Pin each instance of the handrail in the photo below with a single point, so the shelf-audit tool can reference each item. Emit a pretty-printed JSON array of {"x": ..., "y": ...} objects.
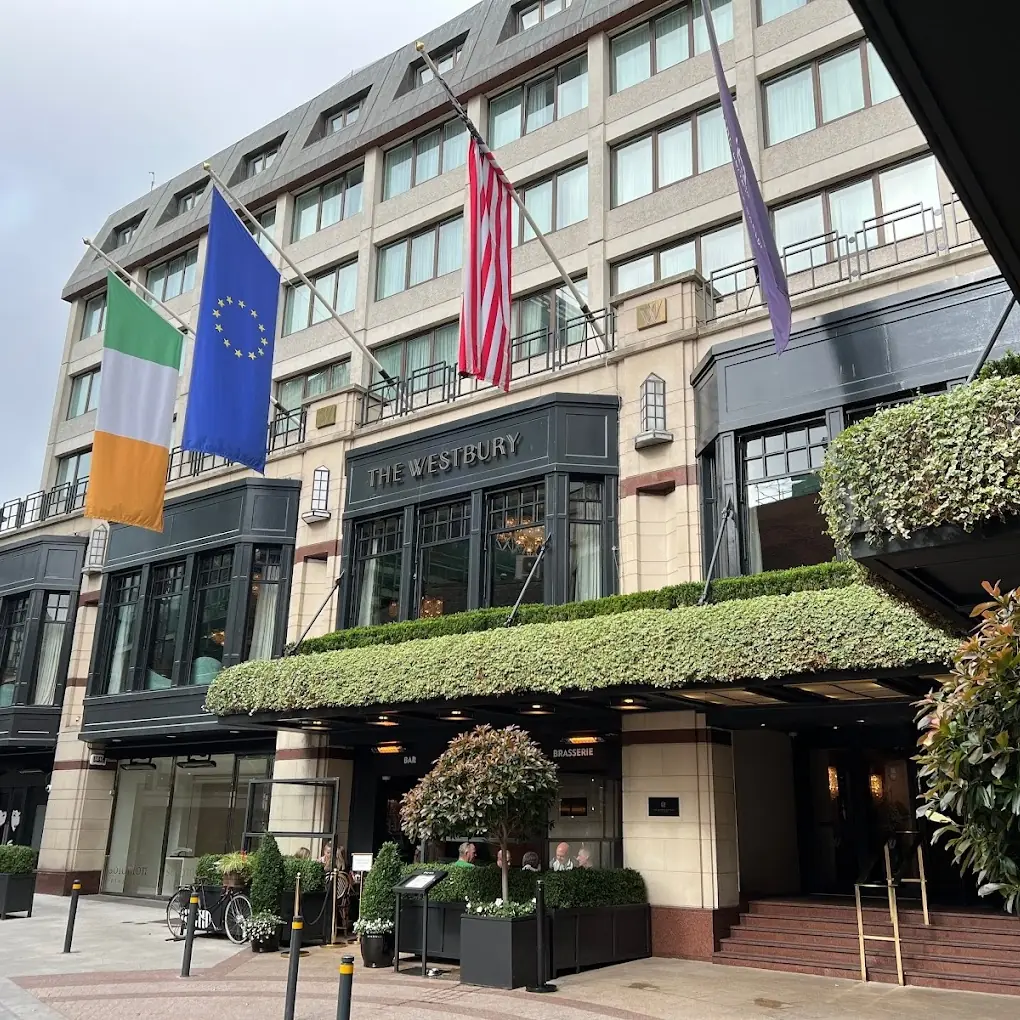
[{"x": 894, "y": 916}]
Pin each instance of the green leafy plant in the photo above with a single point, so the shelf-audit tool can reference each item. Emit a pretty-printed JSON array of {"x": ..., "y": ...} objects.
[
  {"x": 268, "y": 877},
  {"x": 1002, "y": 368},
  {"x": 207, "y": 870},
  {"x": 237, "y": 863},
  {"x": 853, "y": 628},
  {"x": 970, "y": 751},
  {"x": 263, "y": 926},
  {"x": 493, "y": 782},
  {"x": 17, "y": 860},
  {"x": 377, "y": 899},
  {"x": 501, "y": 908},
  {"x": 313, "y": 874}
]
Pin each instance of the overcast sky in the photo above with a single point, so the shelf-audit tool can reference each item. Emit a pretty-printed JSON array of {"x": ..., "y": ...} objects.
[{"x": 95, "y": 94}]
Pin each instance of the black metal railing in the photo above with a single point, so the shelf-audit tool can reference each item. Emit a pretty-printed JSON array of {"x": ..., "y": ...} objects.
[
  {"x": 41, "y": 506},
  {"x": 543, "y": 350}
]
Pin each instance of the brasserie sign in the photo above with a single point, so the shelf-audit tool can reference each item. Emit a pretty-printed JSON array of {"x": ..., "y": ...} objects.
[{"x": 442, "y": 462}]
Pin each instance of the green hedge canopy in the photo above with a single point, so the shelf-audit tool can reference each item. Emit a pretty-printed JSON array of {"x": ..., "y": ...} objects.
[{"x": 771, "y": 636}]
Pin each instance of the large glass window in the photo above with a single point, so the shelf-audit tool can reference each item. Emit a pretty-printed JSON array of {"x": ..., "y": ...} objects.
[
  {"x": 293, "y": 392},
  {"x": 74, "y": 467},
  {"x": 212, "y": 576},
  {"x": 338, "y": 285},
  {"x": 530, "y": 107},
  {"x": 84, "y": 394},
  {"x": 425, "y": 157},
  {"x": 424, "y": 361},
  {"x": 408, "y": 262},
  {"x": 543, "y": 319},
  {"x": 444, "y": 534},
  {"x": 94, "y": 319},
  {"x": 166, "y": 597},
  {"x": 585, "y": 540},
  {"x": 378, "y": 547},
  {"x": 267, "y": 220},
  {"x": 554, "y": 203},
  {"x": 328, "y": 204},
  {"x": 54, "y": 627},
  {"x": 515, "y": 533},
  {"x": 772, "y": 9},
  {"x": 123, "y": 607},
  {"x": 263, "y": 600},
  {"x": 170, "y": 279},
  {"x": 13, "y": 621},
  {"x": 783, "y": 526}
]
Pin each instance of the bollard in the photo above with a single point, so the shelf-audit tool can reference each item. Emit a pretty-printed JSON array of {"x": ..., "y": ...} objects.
[
  {"x": 541, "y": 985},
  {"x": 292, "y": 971},
  {"x": 189, "y": 935},
  {"x": 72, "y": 912},
  {"x": 343, "y": 1002}
]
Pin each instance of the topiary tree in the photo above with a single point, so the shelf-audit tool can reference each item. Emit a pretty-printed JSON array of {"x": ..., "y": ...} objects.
[
  {"x": 970, "y": 757},
  {"x": 496, "y": 783},
  {"x": 377, "y": 899},
  {"x": 268, "y": 877}
]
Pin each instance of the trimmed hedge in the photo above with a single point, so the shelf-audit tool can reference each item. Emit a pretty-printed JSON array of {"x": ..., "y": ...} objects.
[
  {"x": 313, "y": 874},
  {"x": 947, "y": 459},
  {"x": 772, "y": 636},
  {"x": 773, "y": 582},
  {"x": 17, "y": 860},
  {"x": 581, "y": 887}
]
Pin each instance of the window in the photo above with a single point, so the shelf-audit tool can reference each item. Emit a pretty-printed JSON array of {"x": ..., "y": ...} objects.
[
  {"x": 267, "y": 220},
  {"x": 425, "y": 157},
  {"x": 54, "y": 626},
  {"x": 187, "y": 200},
  {"x": 340, "y": 119},
  {"x": 320, "y": 490},
  {"x": 433, "y": 252},
  {"x": 120, "y": 636},
  {"x": 338, "y": 285},
  {"x": 444, "y": 538},
  {"x": 554, "y": 203},
  {"x": 328, "y": 204},
  {"x": 667, "y": 40},
  {"x": 175, "y": 277},
  {"x": 378, "y": 546},
  {"x": 445, "y": 62},
  {"x": 669, "y": 154},
  {"x": 783, "y": 526},
  {"x": 13, "y": 622},
  {"x": 213, "y": 586},
  {"x": 550, "y": 315},
  {"x": 718, "y": 249},
  {"x": 263, "y": 599},
  {"x": 260, "y": 161},
  {"x": 94, "y": 319},
  {"x": 825, "y": 90},
  {"x": 533, "y": 13},
  {"x": 124, "y": 234},
  {"x": 293, "y": 392},
  {"x": 166, "y": 595},
  {"x": 74, "y": 467},
  {"x": 772, "y": 9},
  {"x": 585, "y": 503},
  {"x": 84, "y": 393},
  {"x": 530, "y": 107},
  {"x": 515, "y": 533},
  {"x": 424, "y": 361},
  {"x": 653, "y": 404}
]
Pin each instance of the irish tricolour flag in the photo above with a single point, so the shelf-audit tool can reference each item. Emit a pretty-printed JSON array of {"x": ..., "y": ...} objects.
[{"x": 131, "y": 447}]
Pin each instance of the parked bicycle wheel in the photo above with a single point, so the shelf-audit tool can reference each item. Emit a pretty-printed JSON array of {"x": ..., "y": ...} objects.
[
  {"x": 236, "y": 918},
  {"x": 177, "y": 913}
]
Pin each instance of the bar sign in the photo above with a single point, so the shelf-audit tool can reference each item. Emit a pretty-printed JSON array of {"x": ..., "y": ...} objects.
[{"x": 663, "y": 807}]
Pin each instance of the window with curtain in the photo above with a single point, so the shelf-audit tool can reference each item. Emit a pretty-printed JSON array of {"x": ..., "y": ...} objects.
[
  {"x": 771, "y": 9},
  {"x": 790, "y": 106},
  {"x": 13, "y": 622},
  {"x": 263, "y": 601},
  {"x": 538, "y": 103},
  {"x": 801, "y": 226},
  {"x": 585, "y": 503},
  {"x": 212, "y": 600},
  {"x": 293, "y": 392},
  {"x": 444, "y": 534},
  {"x": 327, "y": 204},
  {"x": 722, "y": 19},
  {"x": 905, "y": 188},
  {"x": 338, "y": 285},
  {"x": 122, "y": 608},
  {"x": 424, "y": 256},
  {"x": 173, "y": 278},
  {"x": 420, "y": 159},
  {"x": 94, "y": 318},
  {"x": 539, "y": 320},
  {"x": 267, "y": 220},
  {"x": 554, "y": 203},
  {"x": 378, "y": 548},
  {"x": 260, "y": 161},
  {"x": 164, "y": 606},
  {"x": 56, "y": 613},
  {"x": 406, "y": 359},
  {"x": 515, "y": 531},
  {"x": 882, "y": 85}
]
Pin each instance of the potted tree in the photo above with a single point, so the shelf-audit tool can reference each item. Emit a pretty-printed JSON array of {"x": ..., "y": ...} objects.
[
  {"x": 499, "y": 784},
  {"x": 17, "y": 880},
  {"x": 235, "y": 869},
  {"x": 374, "y": 926},
  {"x": 268, "y": 877}
]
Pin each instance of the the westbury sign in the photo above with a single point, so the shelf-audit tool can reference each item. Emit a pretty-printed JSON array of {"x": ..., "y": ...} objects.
[{"x": 443, "y": 461}]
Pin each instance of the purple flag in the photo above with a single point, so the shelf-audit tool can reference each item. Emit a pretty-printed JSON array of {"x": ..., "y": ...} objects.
[{"x": 756, "y": 216}]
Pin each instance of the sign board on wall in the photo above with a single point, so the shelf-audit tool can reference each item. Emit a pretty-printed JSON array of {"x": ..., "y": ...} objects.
[{"x": 663, "y": 807}]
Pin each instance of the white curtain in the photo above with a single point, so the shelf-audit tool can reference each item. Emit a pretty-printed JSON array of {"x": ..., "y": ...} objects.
[
  {"x": 454, "y": 145},
  {"x": 539, "y": 108},
  {"x": 680, "y": 258},
  {"x": 842, "y": 85},
  {"x": 264, "y": 625},
  {"x": 671, "y": 39},
  {"x": 586, "y": 561},
  {"x": 398, "y": 170},
  {"x": 912, "y": 185},
  {"x": 367, "y": 597},
  {"x": 572, "y": 87},
  {"x": 720, "y": 250},
  {"x": 119, "y": 657},
  {"x": 722, "y": 19},
  {"x": 451, "y": 246},
  {"x": 790, "y": 105},
  {"x": 848, "y": 210},
  {"x": 533, "y": 328},
  {"x": 427, "y": 160},
  {"x": 632, "y": 175},
  {"x": 882, "y": 85},
  {"x": 49, "y": 660},
  {"x": 423, "y": 258},
  {"x": 801, "y": 221},
  {"x": 572, "y": 196},
  {"x": 713, "y": 147},
  {"x": 392, "y": 266},
  {"x": 675, "y": 154},
  {"x": 539, "y": 201},
  {"x": 505, "y": 118}
]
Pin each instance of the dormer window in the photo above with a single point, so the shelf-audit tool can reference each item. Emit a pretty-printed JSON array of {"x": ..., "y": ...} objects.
[
  {"x": 260, "y": 161},
  {"x": 342, "y": 118},
  {"x": 124, "y": 234},
  {"x": 445, "y": 60},
  {"x": 531, "y": 14},
  {"x": 187, "y": 200}
]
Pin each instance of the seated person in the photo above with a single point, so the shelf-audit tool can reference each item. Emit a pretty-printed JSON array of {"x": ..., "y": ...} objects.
[
  {"x": 530, "y": 862},
  {"x": 562, "y": 861},
  {"x": 466, "y": 854}
]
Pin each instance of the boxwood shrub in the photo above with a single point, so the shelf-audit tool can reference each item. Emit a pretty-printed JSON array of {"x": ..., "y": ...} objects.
[
  {"x": 17, "y": 860},
  {"x": 313, "y": 874}
]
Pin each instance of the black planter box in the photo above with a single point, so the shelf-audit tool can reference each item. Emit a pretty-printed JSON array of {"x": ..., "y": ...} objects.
[
  {"x": 377, "y": 950},
  {"x": 444, "y": 929},
  {"x": 17, "y": 893},
  {"x": 316, "y": 912},
  {"x": 599, "y": 936},
  {"x": 498, "y": 952}
]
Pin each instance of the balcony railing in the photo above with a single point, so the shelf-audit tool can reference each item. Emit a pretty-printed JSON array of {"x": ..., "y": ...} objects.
[
  {"x": 287, "y": 429},
  {"x": 543, "y": 350}
]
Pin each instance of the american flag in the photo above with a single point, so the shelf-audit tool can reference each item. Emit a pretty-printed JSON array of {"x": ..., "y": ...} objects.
[{"x": 485, "y": 314}]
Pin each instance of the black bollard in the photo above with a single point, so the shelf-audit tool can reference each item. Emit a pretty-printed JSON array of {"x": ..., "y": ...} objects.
[
  {"x": 541, "y": 985},
  {"x": 343, "y": 1002},
  {"x": 189, "y": 935},
  {"x": 292, "y": 971},
  {"x": 72, "y": 912}
]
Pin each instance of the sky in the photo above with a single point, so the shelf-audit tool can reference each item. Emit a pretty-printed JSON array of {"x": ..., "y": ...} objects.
[{"x": 95, "y": 94}]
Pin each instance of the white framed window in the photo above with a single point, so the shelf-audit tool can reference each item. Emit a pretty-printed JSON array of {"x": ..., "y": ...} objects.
[
  {"x": 420, "y": 159},
  {"x": 423, "y": 256},
  {"x": 337, "y": 200},
  {"x": 338, "y": 285},
  {"x": 320, "y": 490}
]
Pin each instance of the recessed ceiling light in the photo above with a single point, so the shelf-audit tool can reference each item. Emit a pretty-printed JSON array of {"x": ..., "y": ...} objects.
[
  {"x": 454, "y": 715},
  {"x": 383, "y": 720},
  {"x": 630, "y": 704},
  {"x": 583, "y": 739},
  {"x": 537, "y": 709}
]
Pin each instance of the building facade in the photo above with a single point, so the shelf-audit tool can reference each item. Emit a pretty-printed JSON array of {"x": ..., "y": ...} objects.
[{"x": 605, "y": 470}]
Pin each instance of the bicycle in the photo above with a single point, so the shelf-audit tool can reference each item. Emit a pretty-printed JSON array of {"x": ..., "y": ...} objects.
[{"x": 229, "y": 914}]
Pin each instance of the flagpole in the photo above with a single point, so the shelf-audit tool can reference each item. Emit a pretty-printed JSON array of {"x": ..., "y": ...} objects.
[
  {"x": 117, "y": 267},
  {"x": 518, "y": 201},
  {"x": 328, "y": 305}
]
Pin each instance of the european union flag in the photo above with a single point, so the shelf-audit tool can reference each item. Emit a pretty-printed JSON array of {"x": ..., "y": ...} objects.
[{"x": 231, "y": 376}]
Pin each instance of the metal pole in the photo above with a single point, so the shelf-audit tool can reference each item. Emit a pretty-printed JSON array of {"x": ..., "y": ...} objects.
[
  {"x": 531, "y": 574},
  {"x": 328, "y": 305},
  {"x": 116, "y": 266},
  {"x": 424, "y": 934},
  {"x": 726, "y": 515},
  {"x": 189, "y": 935},
  {"x": 292, "y": 971},
  {"x": 396, "y": 931},
  {"x": 992, "y": 339},
  {"x": 297, "y": 644},
  {"x": 487, "y": 152},
  {"x": 541, "y": 985},
  {"x": 72, "y": 913},
  {"x": 343, "y": 1002}
]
